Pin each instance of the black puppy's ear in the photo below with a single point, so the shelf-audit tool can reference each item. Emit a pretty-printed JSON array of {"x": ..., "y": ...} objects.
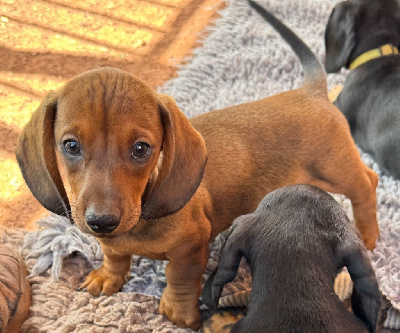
[
  {"x": 366, "y": 299},
  {"x": 226, "y": 271},
  {"x": 340, "y": 36}
]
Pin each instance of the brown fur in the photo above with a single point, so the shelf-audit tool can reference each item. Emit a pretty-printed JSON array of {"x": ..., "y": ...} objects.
[
  {"x": 23, "y": 309},
  {"x": 169, "y": 209},
  {"x": 15, "y": 291},
  {"x": 221, "y": 322}
]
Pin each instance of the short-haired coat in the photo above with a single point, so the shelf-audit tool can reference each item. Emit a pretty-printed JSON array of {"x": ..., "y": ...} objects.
[
  {"x": 129, "y": 168},
  {"x": 370, "y": 95},
  {"x": 296, "y": 242}
]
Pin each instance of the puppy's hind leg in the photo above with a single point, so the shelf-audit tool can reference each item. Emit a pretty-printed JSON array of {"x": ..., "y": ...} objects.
[
  {"x": 341, "y": 170},
  {"x": 364, "y": 208}
]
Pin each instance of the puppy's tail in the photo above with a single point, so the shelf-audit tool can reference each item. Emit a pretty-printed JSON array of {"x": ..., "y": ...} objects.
[{"x": 313, "y": 70}]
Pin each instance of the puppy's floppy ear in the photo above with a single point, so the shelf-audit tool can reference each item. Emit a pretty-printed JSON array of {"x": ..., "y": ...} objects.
[
  {"x": 37, "y": 160},
  {"x": 226, "y": 271},
  {"x": 340, "y": 36},
  {"x": 183, "y": 162},
  {"x": 366, "y": 298}
]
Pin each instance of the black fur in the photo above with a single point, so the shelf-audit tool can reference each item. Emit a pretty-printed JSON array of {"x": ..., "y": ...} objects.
[
  {"x": 370, "y": 96},
  {"x": 313, "y": 70},
  {"x": 296, "y": 242}
]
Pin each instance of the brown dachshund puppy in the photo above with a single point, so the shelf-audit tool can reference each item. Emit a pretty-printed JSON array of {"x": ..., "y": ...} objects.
[{"x": 129, "y": 168}]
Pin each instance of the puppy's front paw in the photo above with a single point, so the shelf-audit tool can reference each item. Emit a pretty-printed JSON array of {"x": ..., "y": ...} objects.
[
  {"x": 102, "y": 281},
  {"x": 182, "y": 312}
]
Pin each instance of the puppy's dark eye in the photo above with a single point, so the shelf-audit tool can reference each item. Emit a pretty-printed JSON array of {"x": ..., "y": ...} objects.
[
  {"x": 72, "y": 147},
  {"x": 140, "y": 150}
]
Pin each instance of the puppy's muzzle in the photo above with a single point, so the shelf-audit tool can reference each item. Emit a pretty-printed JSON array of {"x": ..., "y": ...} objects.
[{"x": 102, "y": 224}]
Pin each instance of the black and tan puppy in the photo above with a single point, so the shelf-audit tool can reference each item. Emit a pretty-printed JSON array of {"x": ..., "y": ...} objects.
[
  {"x": 364, "y": 36},
  {"x": 295, "y": 243}
]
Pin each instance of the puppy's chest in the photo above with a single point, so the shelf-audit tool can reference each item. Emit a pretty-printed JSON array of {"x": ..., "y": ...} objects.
[{"x": 154, "y": 249}]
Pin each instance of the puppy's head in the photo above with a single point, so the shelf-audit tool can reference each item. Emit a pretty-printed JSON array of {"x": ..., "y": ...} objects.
[
  {"x": 110, "y": 150},
  {"x": 300, "y": 229},
  {"x": 340, "y": 36},
  {"x": 357, "y": 26}
]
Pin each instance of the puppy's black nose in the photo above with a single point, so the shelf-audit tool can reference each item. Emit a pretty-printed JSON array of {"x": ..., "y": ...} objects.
[{"x": 102, "y": 224}]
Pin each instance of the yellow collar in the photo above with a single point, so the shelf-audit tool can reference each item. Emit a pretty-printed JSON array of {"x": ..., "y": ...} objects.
[{"x": 374, "y": 53}]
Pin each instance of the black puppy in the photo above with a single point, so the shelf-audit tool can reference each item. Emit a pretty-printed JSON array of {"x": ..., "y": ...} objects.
[
  {"x": 364, "y": 36},
  {"x": 295, "y": 243}
]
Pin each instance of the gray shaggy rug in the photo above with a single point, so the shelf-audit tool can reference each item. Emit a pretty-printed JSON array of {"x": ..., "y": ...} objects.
[{"x": 242, "y": 59}]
